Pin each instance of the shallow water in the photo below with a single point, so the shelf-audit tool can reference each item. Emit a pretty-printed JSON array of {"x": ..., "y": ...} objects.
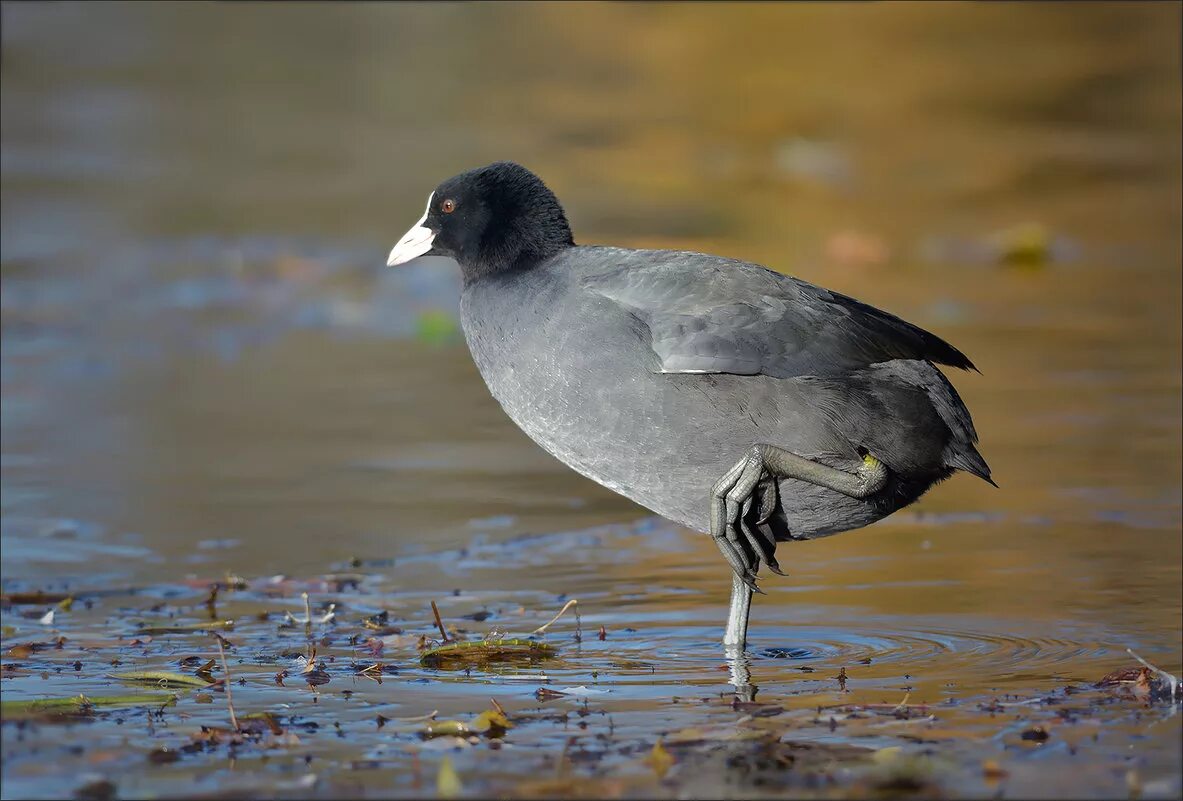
[{"x": 207, "y": 371}]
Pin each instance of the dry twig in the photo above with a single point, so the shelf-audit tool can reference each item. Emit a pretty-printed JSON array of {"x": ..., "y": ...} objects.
[
  {"x": 562, "y": 611},
  {"x": 226, "y": 670},
  {"x": 443, "y": 632}
]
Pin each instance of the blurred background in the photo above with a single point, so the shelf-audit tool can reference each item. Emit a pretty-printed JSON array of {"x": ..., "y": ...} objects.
[
  {"x": 209, "y": 373},
  {"x": 206, "y": 366}
]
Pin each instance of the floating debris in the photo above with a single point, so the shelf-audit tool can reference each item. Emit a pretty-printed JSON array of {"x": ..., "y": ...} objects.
[
  {"x": 481, "y": 653},
  {"x": 1148, "y": 681},
  {"x": 38, "y": 598},
  {"x": 491, "y": 723}
]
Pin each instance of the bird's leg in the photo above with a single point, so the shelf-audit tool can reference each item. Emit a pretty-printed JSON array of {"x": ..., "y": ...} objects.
[
  {"x": 737, "y": 615},
  {"x": 869, "y": 478},
  {"x": 735, "y": 639},
  {"x": 745, "y": 544}
]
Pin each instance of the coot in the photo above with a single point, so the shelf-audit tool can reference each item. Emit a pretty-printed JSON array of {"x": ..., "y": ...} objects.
[{"x": 722, "y": 395}]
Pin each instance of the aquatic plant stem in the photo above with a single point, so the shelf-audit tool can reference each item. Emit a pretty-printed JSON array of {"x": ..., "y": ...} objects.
[
  {"x": 229, "y": 696},
  {"x": 443, "y": 632},
  {"x": 541, "y": 629}
]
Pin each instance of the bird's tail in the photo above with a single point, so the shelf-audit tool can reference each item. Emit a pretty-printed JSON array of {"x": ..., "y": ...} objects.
[{"x": 964, "y": 456}]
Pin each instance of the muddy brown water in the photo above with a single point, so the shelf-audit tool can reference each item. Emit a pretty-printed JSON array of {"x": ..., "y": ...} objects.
[{"x": 207, "y": 373}]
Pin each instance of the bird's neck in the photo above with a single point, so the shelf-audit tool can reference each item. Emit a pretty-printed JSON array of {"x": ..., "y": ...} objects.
[{"x": 516, "y": 255}]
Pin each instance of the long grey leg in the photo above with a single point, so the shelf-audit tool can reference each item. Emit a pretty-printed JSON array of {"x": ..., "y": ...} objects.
[
  {"x": 737, "y": 615},
  {"x": 733, "y": 640},
  {"x": 731, "y": 500}
]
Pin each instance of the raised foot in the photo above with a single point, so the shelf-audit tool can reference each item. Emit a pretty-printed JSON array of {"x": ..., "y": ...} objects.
[
  {"x": 745, "y": 543},
  {"x": 746, "y": 540}
]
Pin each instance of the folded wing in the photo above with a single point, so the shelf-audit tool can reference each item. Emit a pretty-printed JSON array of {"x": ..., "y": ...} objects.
[{"x": 707, "y": 314}]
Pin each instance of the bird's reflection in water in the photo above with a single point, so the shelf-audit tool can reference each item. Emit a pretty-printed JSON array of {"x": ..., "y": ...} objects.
[{"x": 741, "y": 673}]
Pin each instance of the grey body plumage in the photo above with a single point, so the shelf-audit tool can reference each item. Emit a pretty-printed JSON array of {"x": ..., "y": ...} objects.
[
  {"x": 719, "y": 394},
  {"x": 637, "y": 370}
]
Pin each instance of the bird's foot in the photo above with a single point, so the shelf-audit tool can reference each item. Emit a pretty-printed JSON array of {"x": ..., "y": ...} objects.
[{"x": 743, "y": 536}]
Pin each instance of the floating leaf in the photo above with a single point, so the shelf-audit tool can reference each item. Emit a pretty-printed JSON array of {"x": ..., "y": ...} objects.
[
  {"x": 480, "y": 653},
  {"x": 259, "y": 722},
  {"x": 161, "y": 678},
  {"x": 24, "y": 649},
  {"x": 715, "y": 734},
  {"x": 78, "y": 705},
  {"x": 447, "y": 728},
  {"x": 38, "y": 598},
  {"x": 187, "y": 628},
  {"x": 491, "y": 722}
]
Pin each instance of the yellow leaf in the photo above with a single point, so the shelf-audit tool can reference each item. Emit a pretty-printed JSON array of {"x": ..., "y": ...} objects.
[
  {"x": 447, "y": 783},
  {"x": 488, "y": 720},
  {"x": 660, "y": 759}
]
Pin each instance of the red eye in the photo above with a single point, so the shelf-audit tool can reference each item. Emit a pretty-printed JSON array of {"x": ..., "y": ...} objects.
[{"x": 448, "y": 206}]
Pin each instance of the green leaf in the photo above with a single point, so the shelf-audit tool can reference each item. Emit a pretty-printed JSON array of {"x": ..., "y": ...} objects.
[
  {"x": 187, "y": 628},
  {"x": 78, "y": 704},
  {"x": 161, "y": 678}
]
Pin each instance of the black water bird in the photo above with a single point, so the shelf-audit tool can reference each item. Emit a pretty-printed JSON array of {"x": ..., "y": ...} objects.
[{"x": 722, "y": 395}]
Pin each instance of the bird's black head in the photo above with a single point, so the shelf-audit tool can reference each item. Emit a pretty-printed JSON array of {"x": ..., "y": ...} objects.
[{"x": 490, "y": 220}]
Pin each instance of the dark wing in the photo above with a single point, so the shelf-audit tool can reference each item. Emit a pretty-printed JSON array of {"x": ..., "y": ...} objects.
[{"x": 707, "y": 314}]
